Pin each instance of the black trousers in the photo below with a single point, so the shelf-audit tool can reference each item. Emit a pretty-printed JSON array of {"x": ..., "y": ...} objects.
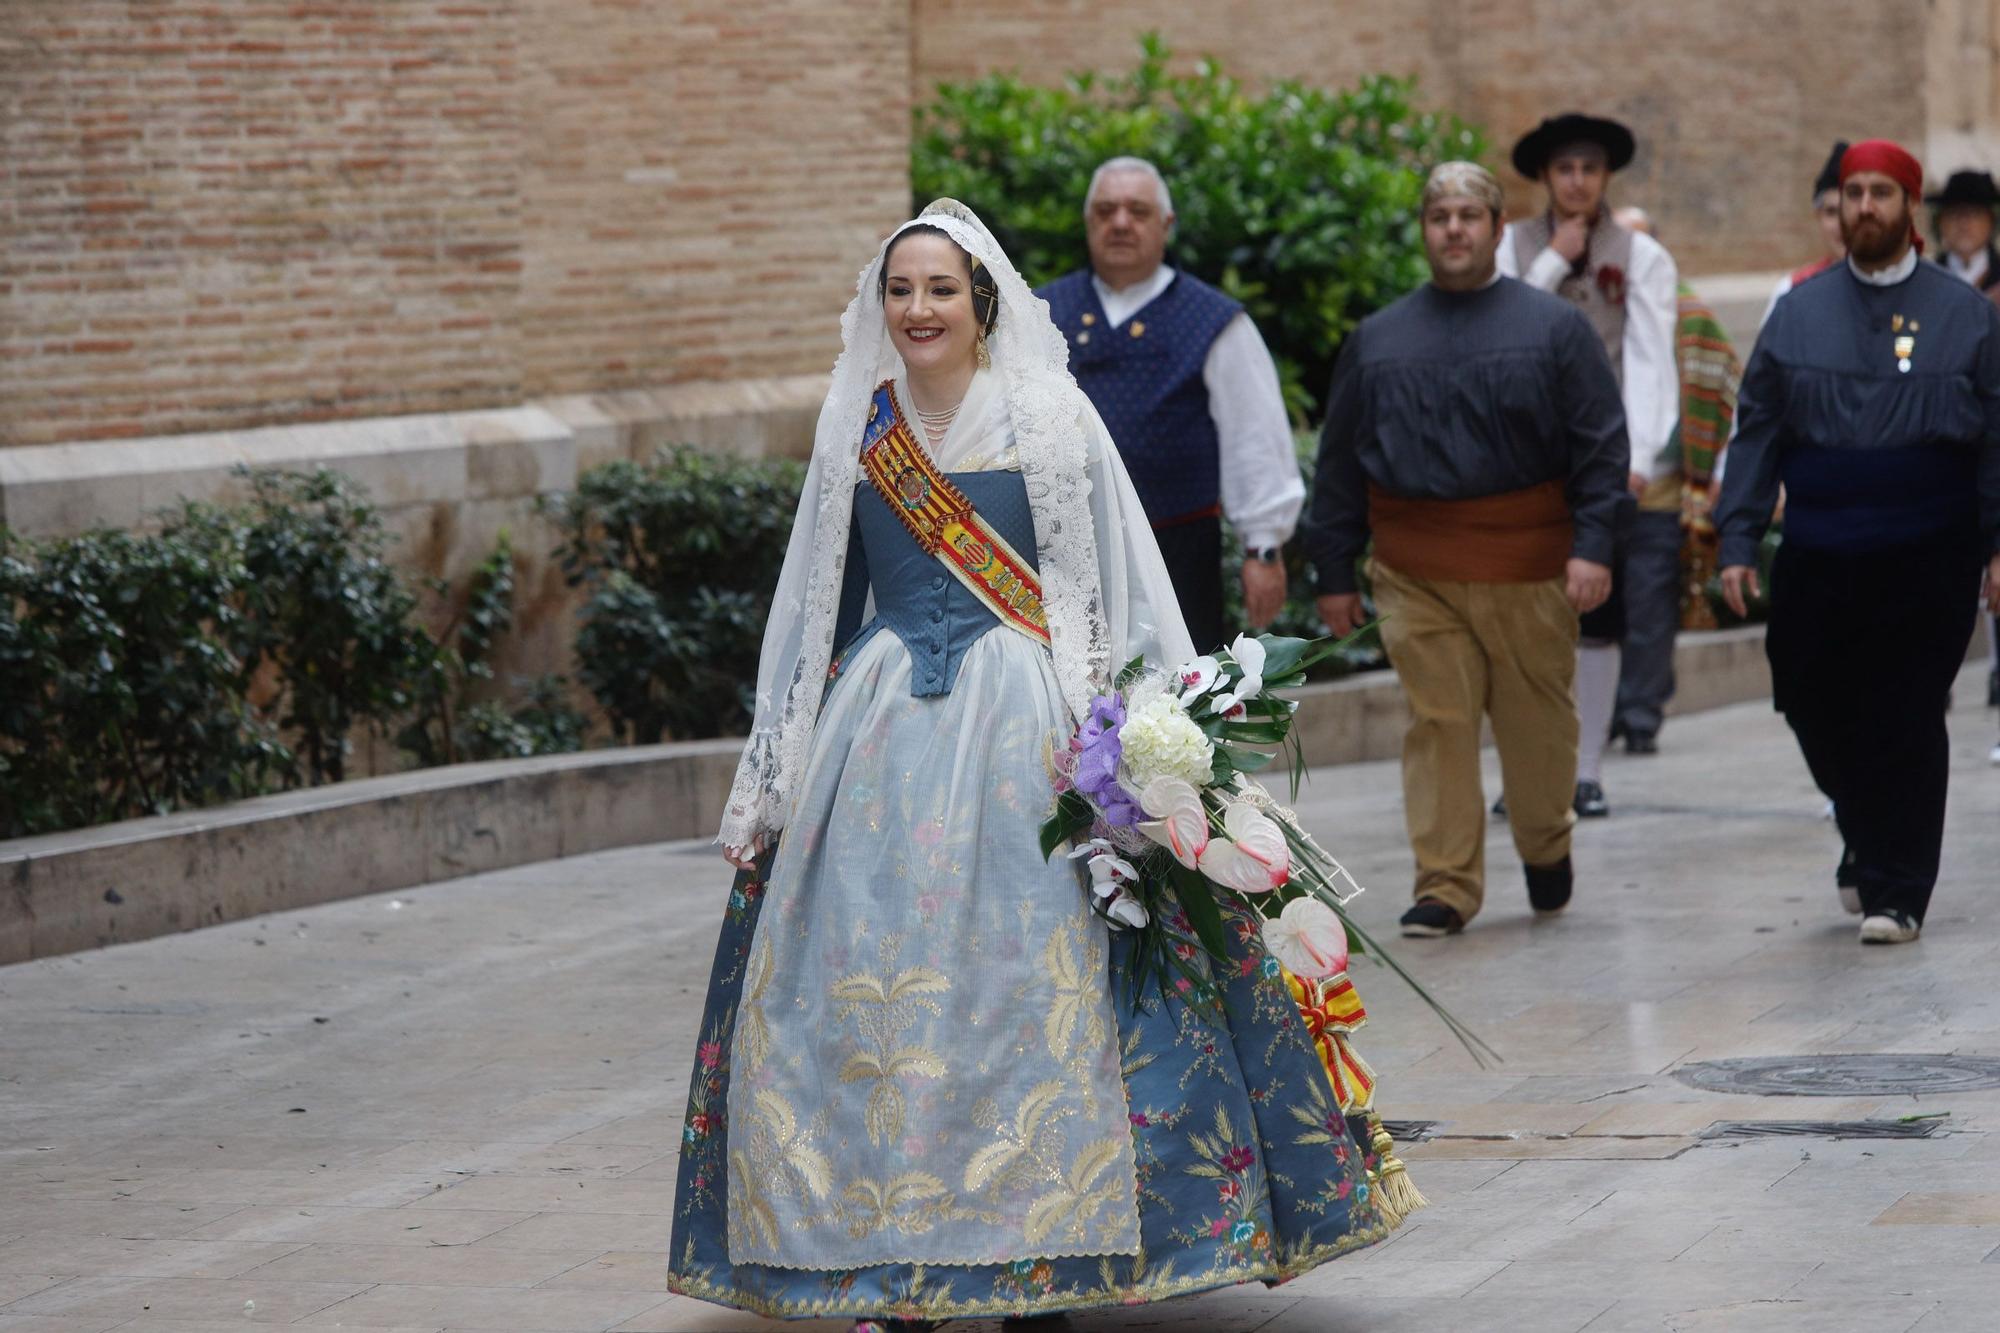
[
  {"x": 1193, "y": 552},
  {"x": 1864, "y": 649}
]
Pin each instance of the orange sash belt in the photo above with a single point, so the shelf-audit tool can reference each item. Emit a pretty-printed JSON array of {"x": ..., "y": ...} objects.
[{"x": 1515, "y": 537}]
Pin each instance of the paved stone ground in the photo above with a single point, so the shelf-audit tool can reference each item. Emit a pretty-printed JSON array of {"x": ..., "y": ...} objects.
[{"x": 457, "y": 1107}]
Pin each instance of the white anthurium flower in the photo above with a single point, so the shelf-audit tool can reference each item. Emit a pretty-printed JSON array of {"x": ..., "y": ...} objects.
[
  {"x": 1127, "y": 909},
  {"x": 1198, "y": 678},
  {"x": 1254, "y": 858},
  {"x": 1308, "y": 938},
  {"x": 1179, "y": 822},
  {"x": 1249, "y": 655}
]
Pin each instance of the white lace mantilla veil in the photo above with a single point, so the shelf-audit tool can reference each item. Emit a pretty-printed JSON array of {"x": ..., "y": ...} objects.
[{"x": 1104, "y": 587}]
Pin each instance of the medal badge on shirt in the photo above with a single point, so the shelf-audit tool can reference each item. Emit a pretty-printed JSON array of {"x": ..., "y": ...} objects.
[{"x": 1906, "y": 342}]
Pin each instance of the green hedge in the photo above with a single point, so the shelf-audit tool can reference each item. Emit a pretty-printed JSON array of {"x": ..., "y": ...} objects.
[
  {"x": 236, "y": 651},
  {"x": 679, "y": 558},
  {"x": 1299, "y": 201}
]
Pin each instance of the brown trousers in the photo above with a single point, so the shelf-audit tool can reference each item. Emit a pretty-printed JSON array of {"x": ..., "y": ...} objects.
[{"x": 1505, "y": 650}]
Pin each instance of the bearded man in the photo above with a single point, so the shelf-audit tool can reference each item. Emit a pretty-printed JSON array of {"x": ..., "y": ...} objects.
[
  {"x": 1474, "y": 430},
  {"x": 1873, "y": 397}
]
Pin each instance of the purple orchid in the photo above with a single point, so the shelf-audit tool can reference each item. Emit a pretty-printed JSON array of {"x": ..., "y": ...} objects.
[{"x": 1097, "y": 760}]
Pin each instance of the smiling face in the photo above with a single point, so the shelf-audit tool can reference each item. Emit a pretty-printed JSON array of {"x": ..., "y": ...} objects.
[
  {"x": 927, "y": 303},
  {"x": 1576, "y": 177},
  {"x": 1461, "y": 236},
  {"x": 1875, "y": 218}
]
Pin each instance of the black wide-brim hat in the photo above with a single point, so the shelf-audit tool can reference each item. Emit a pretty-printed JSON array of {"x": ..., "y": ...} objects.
[
  {"x": 1966, "y": 187},
  {"x": 1541, "y": 143}
]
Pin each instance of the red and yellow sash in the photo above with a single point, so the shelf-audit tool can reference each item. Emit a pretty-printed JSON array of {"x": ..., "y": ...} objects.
[{"x": 942, "y": 520}]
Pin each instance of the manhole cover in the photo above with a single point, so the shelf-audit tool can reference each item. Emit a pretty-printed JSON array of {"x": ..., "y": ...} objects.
[
  {"x": 1409, "y": 1131},
  {"x": 1822, "y": 1129},
  {"x": 1844, "y": 1075}
]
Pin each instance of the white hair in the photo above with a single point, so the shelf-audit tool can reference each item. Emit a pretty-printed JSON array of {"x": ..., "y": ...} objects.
[{"x": 1131, "y": 164}]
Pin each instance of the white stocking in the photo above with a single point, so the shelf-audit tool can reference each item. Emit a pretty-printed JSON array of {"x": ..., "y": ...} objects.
[{"x": 1596, "y": 696}]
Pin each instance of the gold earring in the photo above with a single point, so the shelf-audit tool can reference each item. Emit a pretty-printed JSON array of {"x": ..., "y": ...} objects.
[{"x": 980, "y": 353}]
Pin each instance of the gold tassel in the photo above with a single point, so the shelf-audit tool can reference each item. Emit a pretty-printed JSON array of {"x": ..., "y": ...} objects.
[{"x": 1395, "y": 1193}]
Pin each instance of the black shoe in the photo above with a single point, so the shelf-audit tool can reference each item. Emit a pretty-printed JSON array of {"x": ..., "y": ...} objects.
[
  {"x": 1642, "y": 742},
  {"x": 1430, "y": 919},
  {"x": 1549, "y": 886},
  {"x": 1847, "y": 879},
  {"x": 1993, "y": 689},
  {"x": 1589, "y": 801},
  {"x": 1500, "y": 806}
]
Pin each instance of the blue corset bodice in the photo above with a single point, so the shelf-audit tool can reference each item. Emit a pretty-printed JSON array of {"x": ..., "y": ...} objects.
[{"x": 917, "y": 599}]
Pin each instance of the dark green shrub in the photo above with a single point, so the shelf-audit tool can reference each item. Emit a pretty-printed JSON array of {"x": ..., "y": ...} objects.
[
  {"x": 147, "y": 673},
  {"x": 680, "y": 557},
  {"x": 325, "y": 616},
  {"x": 120, "y": 694},
  {"x": 1298, "y": 201},
  {"x": 448, "y": 727}
]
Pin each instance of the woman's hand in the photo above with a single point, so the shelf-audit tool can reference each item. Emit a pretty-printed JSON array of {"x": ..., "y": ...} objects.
[{"x": 745, "y": 858}]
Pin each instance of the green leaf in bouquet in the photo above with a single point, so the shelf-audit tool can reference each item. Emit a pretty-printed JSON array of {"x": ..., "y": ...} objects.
[
  {"x": 1197, "y": 899},
  {"x": 1243, "y": 761},
  {"x": 1223, "y": 766},
  {"x": 1257, "y": 733},
  {"x": 1073, "y": 815},
  {"x": 1131, "y": 671},
  {"x": 1282, "y": 655}
]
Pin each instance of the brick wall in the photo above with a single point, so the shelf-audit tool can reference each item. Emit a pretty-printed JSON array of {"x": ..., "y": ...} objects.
[
  {"x": 220, "y": 216},
  {"x": 216, "y": 216},
  {"x": 1735, "y": 104}
]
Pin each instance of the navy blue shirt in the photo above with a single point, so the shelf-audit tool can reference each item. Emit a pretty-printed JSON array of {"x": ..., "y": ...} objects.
[
  {"x": 1877, "y": 408},
  {"x": 1459, "y": 395}
]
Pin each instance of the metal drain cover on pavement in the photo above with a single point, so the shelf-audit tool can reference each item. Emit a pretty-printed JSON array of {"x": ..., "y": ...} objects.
[
  {"x": 1844, "y": 1075},
  {"x": 1409, "y": 1131},
  {"x": 1823, "y": 1129}
]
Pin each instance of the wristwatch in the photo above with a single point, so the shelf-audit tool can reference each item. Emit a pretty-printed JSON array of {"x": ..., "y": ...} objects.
[{"x": 1269, "y": 555}]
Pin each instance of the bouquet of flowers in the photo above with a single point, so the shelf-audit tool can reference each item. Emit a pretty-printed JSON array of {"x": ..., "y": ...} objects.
[{"x": 1154, "y": 793}]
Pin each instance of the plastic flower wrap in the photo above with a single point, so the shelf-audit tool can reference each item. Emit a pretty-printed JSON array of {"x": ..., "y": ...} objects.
[{"x": 1154, "y": 792}]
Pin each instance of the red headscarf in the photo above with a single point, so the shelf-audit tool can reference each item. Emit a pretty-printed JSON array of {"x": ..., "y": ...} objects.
[{"x": 1893, "y": 161}]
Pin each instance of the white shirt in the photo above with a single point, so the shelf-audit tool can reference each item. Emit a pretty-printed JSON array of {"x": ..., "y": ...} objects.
[
  {"x": 1652, "y": 378},
  {"x": 1262, "y": 491},
  {"x": 1890, "y": 276},
  {"x": 1973, "y": 270}
]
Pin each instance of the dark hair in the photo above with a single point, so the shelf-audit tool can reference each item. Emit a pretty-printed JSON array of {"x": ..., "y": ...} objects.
[{"x": 985, "y": 296}]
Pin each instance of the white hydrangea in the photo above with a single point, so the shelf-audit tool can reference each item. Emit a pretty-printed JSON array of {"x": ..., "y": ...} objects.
[{"x": 1160, "y": 740}]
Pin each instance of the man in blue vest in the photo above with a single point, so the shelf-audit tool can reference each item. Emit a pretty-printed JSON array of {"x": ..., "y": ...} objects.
[{"x": 1190, "y": 395}]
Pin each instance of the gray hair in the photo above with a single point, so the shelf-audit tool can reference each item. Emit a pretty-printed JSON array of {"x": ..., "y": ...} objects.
[
  {"x": 1634, "y": 218},
  {"x": 1131, "y": 164},
  {"x": 1462, "y": 180}
]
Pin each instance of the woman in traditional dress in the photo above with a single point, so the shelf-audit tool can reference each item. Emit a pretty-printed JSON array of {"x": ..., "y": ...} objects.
[{"x": 919, "y": 1091}]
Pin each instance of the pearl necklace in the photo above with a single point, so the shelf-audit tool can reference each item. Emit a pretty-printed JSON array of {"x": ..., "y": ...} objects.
[{"x": 936, "y": 424}]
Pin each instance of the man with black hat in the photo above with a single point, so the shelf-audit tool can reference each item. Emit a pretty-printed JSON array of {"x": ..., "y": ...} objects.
[
  {"x": 1626, "y": 285},
  {"x": 1965, "y": 228},
  {"x": 1826, "y": 212},
  {"x": 1873, "y": 396}
]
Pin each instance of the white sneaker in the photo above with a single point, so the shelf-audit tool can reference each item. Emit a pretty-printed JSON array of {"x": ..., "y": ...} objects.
[
  {"x": 1993, "y": 757},
  {"x": 1888, "y": 928}
]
